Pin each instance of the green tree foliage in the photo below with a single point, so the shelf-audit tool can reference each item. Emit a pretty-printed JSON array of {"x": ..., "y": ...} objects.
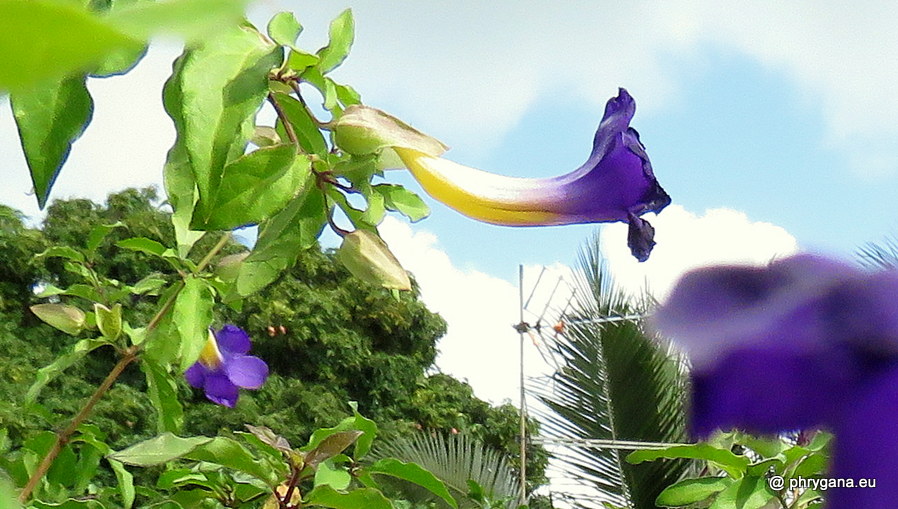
[{"x": 327, "y": 337}]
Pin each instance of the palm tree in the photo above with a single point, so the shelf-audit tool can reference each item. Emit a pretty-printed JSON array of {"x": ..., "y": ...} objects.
[
  {"x": 880, "y": 256},
  {"x": 457, "y": 460},
  {"x": 616, "y": 383}
]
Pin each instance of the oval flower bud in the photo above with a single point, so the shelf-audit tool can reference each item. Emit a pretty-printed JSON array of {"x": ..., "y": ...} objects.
[
  {"x": 368, "y": 258},
  {"x": 68, "y": 319}
]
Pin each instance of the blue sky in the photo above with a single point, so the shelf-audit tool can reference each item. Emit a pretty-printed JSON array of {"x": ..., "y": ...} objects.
[{"x": 771, "y": 124}]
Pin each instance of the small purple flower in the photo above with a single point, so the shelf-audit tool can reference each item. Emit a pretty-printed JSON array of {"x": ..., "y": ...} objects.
[
  {"x": 805, "y": 342},
  {"x": 223, "y": 366}
]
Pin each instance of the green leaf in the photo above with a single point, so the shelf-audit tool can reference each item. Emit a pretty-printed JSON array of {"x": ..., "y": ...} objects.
[
  {"x": 125, "y": 482},
  {"x": 403, "y": 201},
  {"x": 284, "y": 29},
  {"x": 62, "y": 252},
  {"x": 362, "y": 130},
  {"x": 192, "y": 316},
  {"x": 158, "y": 450},
  {"x": 342, "y": 33},
  {"x": 355, "y": 423},
  {"x": 299, "y": 61},
  {"x": 335, "y": 443},
  {"x": 374, "y": 214},
  {"x": 68, "y": 319},
  {"x": 98, "y": 233},
  {"x": 307, "y": 132},
  {"x": 733, "y": 464},
  {"x": 63, "y": 362},
  {"x": 180, "y": 185},
  {"x": 254, "y": 187},
  {"x": 282, "y": 238},
  {"x": 327, "y": 496},
  {"x": 413, "y": 473},
  {"x": 192, "y": 20},
  {"x": 333, "y": 475},
  {"x": 690, "y": 491},
  {"x": 148, "y": 284},
  {"x": 143, "y": 245},
  {"x": 46, "y": 40},
  {"x": 50, "y": 117},
  {"x": 109, "y": 321},
  {"x": 163, "y": 392},
  {"x": 222, "y": 84},
  {"x": 231, "y": 454},
  {"x": 745, "y": 493},
  {"x": 347, "y": 95}
]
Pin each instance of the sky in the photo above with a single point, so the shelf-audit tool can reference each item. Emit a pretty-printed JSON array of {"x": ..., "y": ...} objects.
[{"x": 771, "y": 124}]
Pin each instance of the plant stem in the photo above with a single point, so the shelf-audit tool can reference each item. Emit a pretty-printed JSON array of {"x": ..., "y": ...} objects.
[
  {"x": 294, "y": 479},
  {"x": 63, "y": 437},
  {"x": 130, "y": 355},
  {"x": 212, "y": 252},
  {"x": 283, "y": 116}
]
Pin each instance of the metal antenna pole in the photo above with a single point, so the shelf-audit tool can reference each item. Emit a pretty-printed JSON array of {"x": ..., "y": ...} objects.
[{"x": 523, "y": 401}]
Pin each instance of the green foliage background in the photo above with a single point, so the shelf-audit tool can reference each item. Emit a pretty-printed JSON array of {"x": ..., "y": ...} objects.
[{"x": 327, "y": 337}]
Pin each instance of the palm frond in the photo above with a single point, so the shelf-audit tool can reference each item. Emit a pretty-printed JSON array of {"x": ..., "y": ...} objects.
[
  {"x": 454, "y": 459},
  {"x": 883, "y": 255},
  {"x": 616, "y": 383}
]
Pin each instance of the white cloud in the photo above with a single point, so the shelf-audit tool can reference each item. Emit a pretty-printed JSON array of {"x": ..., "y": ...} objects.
[
  {"x": 471, "y": 69},
  {"x": 124, "y": 146},
  {"x": 481, "y": 345},
  {"x": 686, "y": 241}
]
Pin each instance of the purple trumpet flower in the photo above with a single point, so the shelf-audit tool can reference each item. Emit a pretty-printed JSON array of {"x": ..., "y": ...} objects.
[
  {"x": 223, "y": 366},
  {"x": 805, "y": 342}
]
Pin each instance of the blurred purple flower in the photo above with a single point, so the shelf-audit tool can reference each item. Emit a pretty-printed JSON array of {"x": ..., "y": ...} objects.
[
  {"x": 805, "y": 342},
  {"x": 223, "y": 366}
]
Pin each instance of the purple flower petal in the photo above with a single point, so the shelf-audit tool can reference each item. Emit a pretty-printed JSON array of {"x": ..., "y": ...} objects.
[
  {"x": 866, "y": 446},
  {"x": 196, "y": 375},
  {"x": 246, "y": 371},
  {"x": 221, "y": 390},
  {"x": 232, "y": 340},
  {"x": 771, "y": 388}
]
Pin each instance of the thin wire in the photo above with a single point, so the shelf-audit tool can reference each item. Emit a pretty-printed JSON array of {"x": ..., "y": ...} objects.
[{"x": 606, "y": 444}]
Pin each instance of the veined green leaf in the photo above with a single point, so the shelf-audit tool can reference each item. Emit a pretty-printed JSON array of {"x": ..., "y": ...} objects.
[
  {"x": 62, "y": 252},
  {"x": 333, "y": 475},
  {"x": 281, "y": 238},
  {"x": 690, "y": 491},
  {"x": 63, "y": 362},
  {"x": 284, "y": 29},
  {"x": 307, "y": 133},
  {"x": 403, "y": 201},
  {"x": 256, "y": 186},
  {"x": 158, "y": 450},
  {"x": 125, "y": 482},
  {"x": 733, "y": 464},
  {"x": 191, "y": 20},
  {"x": 745, "y": 493},
  {"x": 98, "y": 233},
  {"x": 326, "y": 496},
  {"x": 232, "y": 454},
  {"x": 180, "y": 185},
  {"x": 222, "y": 85},
  {"x": 192, "y": 316},
  {"x": 142, "y": 244},
  {"x": 50, "y": 117},
  {"x": 163, "y": 392},
  {"x": 342, "y": 33},
  {"x": 46, "y": 40},
  {"x": 109, "y": 321},
  {"x": 412, "y": 472}
]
